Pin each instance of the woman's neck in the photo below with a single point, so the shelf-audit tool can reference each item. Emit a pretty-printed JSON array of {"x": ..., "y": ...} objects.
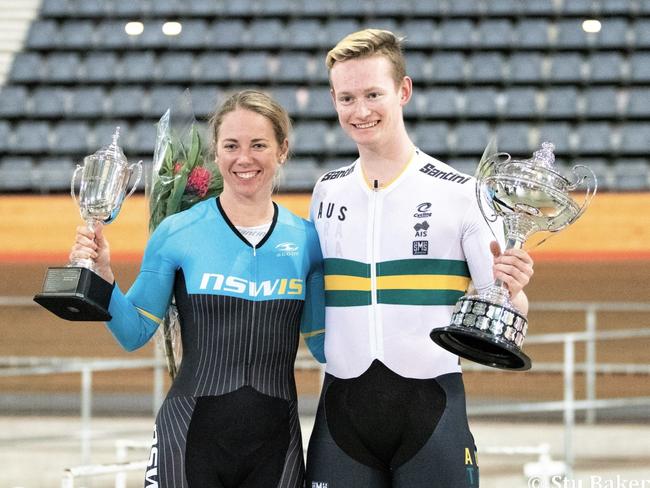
[{"x": 246, "y": 212}]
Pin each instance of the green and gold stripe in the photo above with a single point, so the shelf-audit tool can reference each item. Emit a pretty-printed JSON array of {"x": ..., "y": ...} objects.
[{"x": 400, "y": 282}]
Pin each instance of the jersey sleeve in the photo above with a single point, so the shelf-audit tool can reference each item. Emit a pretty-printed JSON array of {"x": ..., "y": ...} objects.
[
  {"x": 137, "y": 314},
  {"x": 477, "y": 234},
  {"x": 312, "y": 323}
]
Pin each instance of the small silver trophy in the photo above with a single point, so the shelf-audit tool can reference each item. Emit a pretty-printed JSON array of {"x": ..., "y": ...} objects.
[
  {"x": 76, "y": 292},
  {"x": 530, "y": 196}
]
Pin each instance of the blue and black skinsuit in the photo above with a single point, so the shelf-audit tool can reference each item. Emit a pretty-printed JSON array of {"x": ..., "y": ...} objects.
[{"x": 230, "y": 417}]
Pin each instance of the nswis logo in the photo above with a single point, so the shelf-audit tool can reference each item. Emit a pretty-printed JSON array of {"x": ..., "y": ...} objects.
[{"x": 240, "y": 286}]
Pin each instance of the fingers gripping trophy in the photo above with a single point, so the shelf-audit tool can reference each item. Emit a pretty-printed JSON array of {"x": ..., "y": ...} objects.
[
  {"x": 76, "y": 292},
  {"x": 530, "y": 196}
]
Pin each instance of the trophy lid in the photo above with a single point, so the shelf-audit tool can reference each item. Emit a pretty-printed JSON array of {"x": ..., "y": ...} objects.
[
  {"x": 113, "y": 150},
  {"x": 544, "y": 156}
]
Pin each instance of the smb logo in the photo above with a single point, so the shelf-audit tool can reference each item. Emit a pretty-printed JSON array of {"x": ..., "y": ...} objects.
[
  {"x": 286, "y": 249},
  {"x": 420, "y": 248},
  {"x": 319, "y": 484}
]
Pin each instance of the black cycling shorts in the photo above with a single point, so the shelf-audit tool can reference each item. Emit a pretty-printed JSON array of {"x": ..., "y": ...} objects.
[{"x": 383, "y": 430}]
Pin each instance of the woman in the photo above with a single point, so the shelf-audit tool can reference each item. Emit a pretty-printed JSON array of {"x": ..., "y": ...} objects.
[{"x": 247, "y": 278}]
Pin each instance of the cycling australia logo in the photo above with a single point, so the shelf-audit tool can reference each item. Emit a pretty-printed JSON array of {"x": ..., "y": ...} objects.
[
  {"x": 422, "y": 211},
  {"x": 286, "y": 249}
]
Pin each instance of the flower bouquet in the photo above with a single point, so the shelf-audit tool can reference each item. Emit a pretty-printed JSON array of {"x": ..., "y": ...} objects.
[{"x": 182, "y": 175}]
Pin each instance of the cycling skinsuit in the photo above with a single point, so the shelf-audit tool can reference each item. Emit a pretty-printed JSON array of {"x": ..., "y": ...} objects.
[
  {"x": 396, "y": 260},
  {"x": 230, "y": 417}
]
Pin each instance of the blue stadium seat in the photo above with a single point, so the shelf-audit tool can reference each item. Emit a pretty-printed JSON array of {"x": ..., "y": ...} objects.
[
  {"x": 562, "y": 102},
  {"x": 471, "y": 137},
  {"x": 242, "y": 7},
  {"x": 266, "y": 33},
  {"x": 341, "y": 143},
  {"x": 153, "y": 36},
  {"x": 126, "y": 101},
  {"x": 335, "y": 30},
  {"x": 448, "y": 67},
  {"x": 62, "y": 67},
  {"x": 212, "y": 66},
  {"x": 166, "y": 7},
  {"x": 514, "y": 138},
  {"x": 540, "y": 7},
  {"x": 304, "y": 34},
  {"x": 31, "y": 137},
  {"x": 420, "y": 33},
  {"x": 466, "y": 7},
  {"x": 496, "y": 33},
  {"x": 439, "y": 102},
  {"x": 132, "y": 8},
  {"x": 388, "y": 24},
  {"x": 594, "y": 138},
  {"x": 76, "y": 34},
  {"x": 16, "y": 173},
  {"x": 606, "y": 66},
  {"x": 635, "y": 138},
  {"x": 615, "y": 6},
  {"x": 432, "y": 137},
  {"x": 54, "y": 8},
  {"x": 418, "y": 66},
  {"x": 162, "y": 97},
  {"x": 253, "y": 67},
  {"x": 102, "y": 132},
  {"x": 295, "y": 67},
  {"x": 572, "y": 35},
  {"x": 458, "y": 33},
  {"x": 203, "y": 7},
  {"x": 226, "y": 34},
  {"x": 466, "y": 166},
  {"x": 300, "y": 175},
  {"x": 580, "y": 7},
  {"x": 521, "y": 102},
  {"x": 632, "y": 175},
  {"x": 315, "y": 7},
  {"x": 87, "y": 101},
  {"x": 49, "y": 102},
  {"x": 557, "y": 133},
  {"x": 640, "y": 66},
  {"x": 526, "y": 67},
  {"x": 480, "y": 102},
  {"x": 43, "y": 34},
  {"x": 391, "y": 9},
  {"x": 287, "y": 97},
  {"x": 614, "y": 34},
  {"x": 111, "y": 34},
  {"x": 319, "y": 103},
  {"x": 532, "y": 33},
  {"x": 193, "y": 35},
  {"x": 71, "y": 137},
  {"x": 27, "y": 67},
  {"x": 13, "y": 101},
  {"x": 99, "y": 67},
  {"x": 486, "y": 67},
  {"x": 504, "y": 7},
  {"x": 5, "y": 135},
  {"x": 639, "y": 101},
  {"x": 642, "y": 33},
  {"x": 602, "y": 102},
  {"x": 138, "y": 66},
  {"x": 566, "y": 67},
  {"x": 92, "y": 8},
  {"x": 52, "y": 174},
  {"x": 280, "y": 8},
  {"x": 175, "y": 66},
  {"x": 142, "y": 138},
  {"x": 311, "y": 137}
]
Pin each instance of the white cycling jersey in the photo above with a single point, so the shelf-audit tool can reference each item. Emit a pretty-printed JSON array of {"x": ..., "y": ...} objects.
[{"x": 397, "y": 259}]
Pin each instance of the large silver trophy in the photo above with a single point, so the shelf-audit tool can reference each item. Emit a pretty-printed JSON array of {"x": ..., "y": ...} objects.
[
  {"x": 76, "y": 292},
  {"x": 529, "y": 196}
]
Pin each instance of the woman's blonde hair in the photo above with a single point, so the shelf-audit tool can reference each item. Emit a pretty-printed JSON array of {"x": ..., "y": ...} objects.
[
  {"x": 255, "y": 101},
  {"x": 370, "y": 42}
]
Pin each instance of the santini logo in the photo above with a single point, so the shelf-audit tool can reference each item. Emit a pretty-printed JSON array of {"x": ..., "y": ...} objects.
[
  {"x": 286, "y": 249},
  {"x": 267, "y": 288}
]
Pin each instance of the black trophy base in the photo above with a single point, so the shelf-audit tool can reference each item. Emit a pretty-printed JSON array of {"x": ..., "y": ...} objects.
[
  {"x": 75, "y": 293},
  {"x": 486, "y": 333}
]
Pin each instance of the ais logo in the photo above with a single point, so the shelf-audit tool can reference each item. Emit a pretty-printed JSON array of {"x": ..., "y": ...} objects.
[{"x": 240, "y": 286}]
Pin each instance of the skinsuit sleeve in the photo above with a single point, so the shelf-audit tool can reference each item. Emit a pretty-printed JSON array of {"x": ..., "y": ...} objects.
[
  {"x": 137, "y": 314},
  {"x": 312, "y": 324}
]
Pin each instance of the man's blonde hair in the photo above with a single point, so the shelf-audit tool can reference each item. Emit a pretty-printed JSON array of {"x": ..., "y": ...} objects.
[{"x": 370, "y": 42}]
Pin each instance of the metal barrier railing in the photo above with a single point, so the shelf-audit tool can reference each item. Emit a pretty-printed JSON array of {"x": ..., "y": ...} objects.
[{"x": 21, "y": 366}]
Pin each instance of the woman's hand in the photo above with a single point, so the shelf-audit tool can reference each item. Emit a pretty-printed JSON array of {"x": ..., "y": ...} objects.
[{"x": 93, "y": 245}]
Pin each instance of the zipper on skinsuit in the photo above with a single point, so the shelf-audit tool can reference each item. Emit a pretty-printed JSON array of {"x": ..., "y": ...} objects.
[
  {"x": 247, "y": 375},
  {"x": 376, "y": 338}
]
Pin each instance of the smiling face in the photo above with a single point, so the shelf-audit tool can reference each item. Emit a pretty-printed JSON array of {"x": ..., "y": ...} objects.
[
  {"x": 368, "y": 100},
  {"x": 248, "y": 154}
]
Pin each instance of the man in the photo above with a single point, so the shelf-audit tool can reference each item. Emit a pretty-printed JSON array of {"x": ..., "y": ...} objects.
[{"x": 402, "y": 237}]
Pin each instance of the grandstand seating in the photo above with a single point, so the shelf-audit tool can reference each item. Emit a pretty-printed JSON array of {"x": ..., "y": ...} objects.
[{"x": 521, "y": 70}]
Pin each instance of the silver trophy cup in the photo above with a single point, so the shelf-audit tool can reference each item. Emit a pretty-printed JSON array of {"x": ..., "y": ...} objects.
[
  {"x": 529, "y": 196},
  {"x": 75, "y": 292}
]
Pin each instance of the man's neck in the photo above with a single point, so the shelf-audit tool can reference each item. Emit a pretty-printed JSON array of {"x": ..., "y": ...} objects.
[{"x": 383, "y": 165}]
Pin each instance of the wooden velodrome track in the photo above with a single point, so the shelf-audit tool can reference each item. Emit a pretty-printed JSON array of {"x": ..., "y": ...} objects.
[{"x": 604, "y": 257}]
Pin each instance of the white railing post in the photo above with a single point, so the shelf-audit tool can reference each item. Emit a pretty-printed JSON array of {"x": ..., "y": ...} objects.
[
  {"x": 590, "y": 360},
  {"x": 86, "y": 412},
  {"x": 569, "y": 401}
]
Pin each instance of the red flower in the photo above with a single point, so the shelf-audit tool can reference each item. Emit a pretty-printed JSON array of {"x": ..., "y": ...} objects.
[
  {"x": 177, "y": 167},
  {"x": 198, "y": 181}
]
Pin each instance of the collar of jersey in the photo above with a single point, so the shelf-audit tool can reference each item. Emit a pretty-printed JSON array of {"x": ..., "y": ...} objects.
[
  {"x": 392, "y": 183},
  {"x": 238, "y": 234}
]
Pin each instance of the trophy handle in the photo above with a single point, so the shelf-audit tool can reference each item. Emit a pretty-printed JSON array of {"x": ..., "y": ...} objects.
[
  {"x": 589, "y": 194},
  {"x": 73, "y": 194},
  {"x": 137, "y": 165},
  {"x": 481, "y": 170}
]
